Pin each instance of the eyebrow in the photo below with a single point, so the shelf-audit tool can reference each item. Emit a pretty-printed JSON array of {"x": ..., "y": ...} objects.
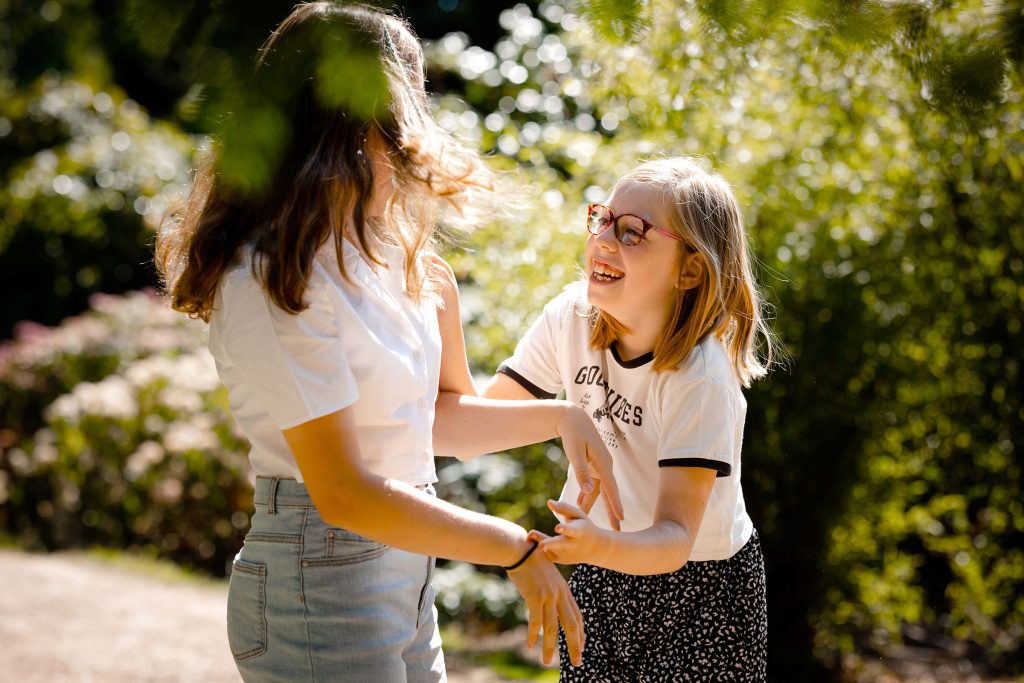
[{"x": 631, "y": 213}]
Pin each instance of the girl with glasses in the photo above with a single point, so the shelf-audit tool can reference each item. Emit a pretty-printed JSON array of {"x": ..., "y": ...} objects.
[
  {"x": 336, "y": 330},
  {"x": 656, "y": 345}
]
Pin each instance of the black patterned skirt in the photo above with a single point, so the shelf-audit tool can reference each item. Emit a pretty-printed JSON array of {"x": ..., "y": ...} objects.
[{"x": 706, "y": 622}]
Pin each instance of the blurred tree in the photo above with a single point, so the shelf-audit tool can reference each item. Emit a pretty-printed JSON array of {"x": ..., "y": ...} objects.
[
  {"x": 76, "y": 72},
  {"x": 163, "y": 55},
  {"x": 88, "y": 175},
  {"x": 876, "y": 146}
]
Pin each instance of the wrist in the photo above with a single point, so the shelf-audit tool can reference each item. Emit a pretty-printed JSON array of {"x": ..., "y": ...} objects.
[
  {"x": 522, "y": 560},
  {"x": 563, "y": 410},
  {"x": 604, "y": 547}
]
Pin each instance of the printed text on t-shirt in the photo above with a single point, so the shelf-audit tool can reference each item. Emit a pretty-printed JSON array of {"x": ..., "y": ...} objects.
[{"x": 615, "y": 404}]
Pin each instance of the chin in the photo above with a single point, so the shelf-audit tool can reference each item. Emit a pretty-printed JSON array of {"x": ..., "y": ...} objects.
[{"x": 597, "y": 298}]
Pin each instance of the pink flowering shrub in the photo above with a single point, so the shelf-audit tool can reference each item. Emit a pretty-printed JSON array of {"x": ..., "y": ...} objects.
[{"x": 116, "y": 432}]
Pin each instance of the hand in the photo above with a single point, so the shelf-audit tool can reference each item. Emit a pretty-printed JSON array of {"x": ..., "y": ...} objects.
[
  {"x": 579, "y": 539},
  {"x": 591, "y": 462},
  {"x": 549, "y": 602}
]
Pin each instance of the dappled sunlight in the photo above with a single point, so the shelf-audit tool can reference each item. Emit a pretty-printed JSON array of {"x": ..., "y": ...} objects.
[{"x": 877, "y": 155}]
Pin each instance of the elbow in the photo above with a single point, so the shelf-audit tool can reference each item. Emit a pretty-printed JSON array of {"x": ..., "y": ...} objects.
[
  {"x": 349, "y": 506},
  {"x": 679, "y": 548},
  {"x": 677, "y": 562}
]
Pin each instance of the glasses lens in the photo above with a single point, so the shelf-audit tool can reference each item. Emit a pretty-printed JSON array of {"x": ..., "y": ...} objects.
[
  {"x": 629, "y": 230},
  {"x": 598, "y": 219}
]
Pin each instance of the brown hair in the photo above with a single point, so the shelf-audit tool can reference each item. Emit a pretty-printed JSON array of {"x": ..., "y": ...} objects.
[
  {"x": 705, "y": 213},
  {"x": 316, "y": 74}
]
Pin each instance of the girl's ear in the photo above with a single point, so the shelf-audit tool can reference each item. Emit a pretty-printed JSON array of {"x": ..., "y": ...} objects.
[{"x": 691, "y": 275}]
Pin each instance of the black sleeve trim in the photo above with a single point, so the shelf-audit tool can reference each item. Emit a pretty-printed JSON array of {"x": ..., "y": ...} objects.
[
  {"x": 724, "y": 469},
  {"x": 525, "y": 383}
]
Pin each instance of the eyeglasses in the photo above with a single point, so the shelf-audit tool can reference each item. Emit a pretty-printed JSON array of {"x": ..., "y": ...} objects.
[{"x": 629, "y": 229}]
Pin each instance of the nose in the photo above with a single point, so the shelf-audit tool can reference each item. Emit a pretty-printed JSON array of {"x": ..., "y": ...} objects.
[{"x": 606, "y": 240}]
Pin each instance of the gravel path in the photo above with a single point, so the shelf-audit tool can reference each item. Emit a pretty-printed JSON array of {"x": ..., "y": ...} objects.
[
  {"x": 72, "y": 618},
  {"x": 76, "y": 618}
]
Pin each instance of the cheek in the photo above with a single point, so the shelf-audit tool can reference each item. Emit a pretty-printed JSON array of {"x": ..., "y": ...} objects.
[
  {"x": 660, "y": 274},
  {"x": 383, "y": 189}
]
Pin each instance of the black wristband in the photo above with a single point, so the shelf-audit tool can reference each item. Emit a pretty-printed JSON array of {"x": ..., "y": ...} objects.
[{"x": 524, "y": 558}]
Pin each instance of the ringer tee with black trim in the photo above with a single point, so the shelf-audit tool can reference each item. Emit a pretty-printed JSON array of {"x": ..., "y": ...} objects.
[{"x": 690, "y": 417}]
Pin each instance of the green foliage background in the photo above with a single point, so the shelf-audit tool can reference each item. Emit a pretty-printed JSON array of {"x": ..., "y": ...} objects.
[{"x": 878, "y": 150}]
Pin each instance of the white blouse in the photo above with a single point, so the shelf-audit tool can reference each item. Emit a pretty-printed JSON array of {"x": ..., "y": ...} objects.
[{"x": 363, "y": 344}]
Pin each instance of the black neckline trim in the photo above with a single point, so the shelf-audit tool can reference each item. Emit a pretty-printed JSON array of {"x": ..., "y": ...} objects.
[{"x": 640, "y": 360}]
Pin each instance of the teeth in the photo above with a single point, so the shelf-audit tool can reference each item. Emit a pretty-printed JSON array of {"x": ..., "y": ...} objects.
[{"x": 606, "y": 273}]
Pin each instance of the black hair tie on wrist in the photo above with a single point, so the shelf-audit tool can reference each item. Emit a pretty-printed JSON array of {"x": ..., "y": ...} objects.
[{"x": 524, "y": 558}]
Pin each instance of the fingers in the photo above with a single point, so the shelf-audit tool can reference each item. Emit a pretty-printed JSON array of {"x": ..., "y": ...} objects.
[
  {"x": 585, "y": 500},
  {"x": 572, "y": 624},
  {"x": 550, "y": 638},
  {"x": 537, "y": 536},
  {"x": 552, "y": 552},
  {"x": 611, "y": 515},
  {"x": 583, "y": 476},
  {"x": 534, "y": 622},
  {"x": 567, "y": 510},
  {"x": 603, "y": 466}
]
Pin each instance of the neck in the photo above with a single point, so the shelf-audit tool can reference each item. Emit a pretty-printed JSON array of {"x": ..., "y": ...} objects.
[
  {"x": 642, "y": 332},
  {"x": 637, "y": 341}
]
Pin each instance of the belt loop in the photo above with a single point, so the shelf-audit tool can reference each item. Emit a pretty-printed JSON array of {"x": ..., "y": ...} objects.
[{"x": 272, "y": 500}]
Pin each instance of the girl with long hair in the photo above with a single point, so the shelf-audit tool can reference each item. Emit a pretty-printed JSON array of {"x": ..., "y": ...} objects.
[{"x": 335, "y": 327}]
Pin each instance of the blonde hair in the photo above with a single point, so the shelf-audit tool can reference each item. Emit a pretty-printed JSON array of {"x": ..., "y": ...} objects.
[
  {"x": 703, "y": 210},
  {"x": 322, "y": 175}
]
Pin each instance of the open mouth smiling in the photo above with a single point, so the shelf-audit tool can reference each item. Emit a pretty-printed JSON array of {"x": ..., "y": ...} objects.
[{"x": 602, "y": 272}]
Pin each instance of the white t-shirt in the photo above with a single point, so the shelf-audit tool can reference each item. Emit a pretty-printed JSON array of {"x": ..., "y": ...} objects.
[
  {"x": 690, "y": 417},
  {"x": 363, "y": 344}
]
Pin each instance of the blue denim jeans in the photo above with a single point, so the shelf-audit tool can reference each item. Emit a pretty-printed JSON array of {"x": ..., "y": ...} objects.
[{"x": 311, "y": 602}]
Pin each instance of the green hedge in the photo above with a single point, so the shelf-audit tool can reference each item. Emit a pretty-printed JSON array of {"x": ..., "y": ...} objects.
[{"x": 118, "y": 435}]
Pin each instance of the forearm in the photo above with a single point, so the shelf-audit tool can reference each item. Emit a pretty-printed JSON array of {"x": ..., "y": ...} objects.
[
  {"x": 659, "y": 549},
  {"x": 399, "y": 515},
  {"x": 468, "y": 426}
]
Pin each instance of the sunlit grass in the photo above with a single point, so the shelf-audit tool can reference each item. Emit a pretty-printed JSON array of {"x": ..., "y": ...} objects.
[{"x": 146, "y": 564}]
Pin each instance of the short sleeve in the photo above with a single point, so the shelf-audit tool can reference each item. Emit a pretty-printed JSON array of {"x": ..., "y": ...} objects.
[
  {"x": 699, "y": 427},
  {"x": 294, "y": 365},
  {"x": 534, "y": 364}
]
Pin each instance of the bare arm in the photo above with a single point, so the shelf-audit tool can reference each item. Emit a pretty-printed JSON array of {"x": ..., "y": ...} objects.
[
  {"x": 504, "y": 387},
  {"x": 466, "y": 426},
  {"x": 463, "y": 427},
  {"x": 394, "y": 513},
  {"x": 665, "y": 546},
  {"x": 455, "y": 375}
]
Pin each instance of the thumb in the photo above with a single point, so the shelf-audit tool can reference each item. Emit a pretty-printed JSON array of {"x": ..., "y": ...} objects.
[{"x": 567, "y": 510}]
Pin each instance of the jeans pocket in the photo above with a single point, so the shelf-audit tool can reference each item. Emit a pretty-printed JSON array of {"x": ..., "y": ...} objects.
[
  {"x": 247, "y": 603},
  {"x": 342, "y": 547}
]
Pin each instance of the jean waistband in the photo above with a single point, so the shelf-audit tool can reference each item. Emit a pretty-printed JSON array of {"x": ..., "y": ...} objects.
[{"x": 274, "y": 492}]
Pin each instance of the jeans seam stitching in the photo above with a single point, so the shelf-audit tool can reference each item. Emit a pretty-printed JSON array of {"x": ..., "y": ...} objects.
[
  {"x": 260, "y": 571},
  {"x": 302, "y": 593},
  {"x": 343, "y": 561},
  {"x": 274, "y": 538}
]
